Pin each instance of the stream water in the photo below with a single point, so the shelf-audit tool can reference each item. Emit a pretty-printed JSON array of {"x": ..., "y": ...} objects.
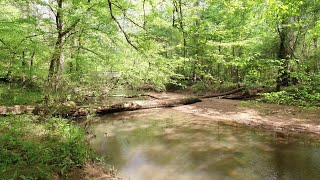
[{"x": 170, "y": 145}]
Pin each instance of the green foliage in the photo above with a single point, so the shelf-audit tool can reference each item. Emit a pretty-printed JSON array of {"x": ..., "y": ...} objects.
[
  {"x": 199, "y": 87},
  {"x": 306, "y": 96},
  {"x": 39, "y": 150},
  {"x": 14, "y": 94},
  {"x": 149, "y": 43}
]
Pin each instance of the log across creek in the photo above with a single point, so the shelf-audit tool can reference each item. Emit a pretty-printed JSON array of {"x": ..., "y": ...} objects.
[
  {"x": 69, "y": 111},
  {"x": 136, "y": 105},
  {"x": 78, "y": 111}
]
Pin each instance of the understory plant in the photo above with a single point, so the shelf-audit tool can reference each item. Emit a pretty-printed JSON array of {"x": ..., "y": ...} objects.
[
  {"x": 306, "y": 96},
  {"x": 34, "y": 148}
]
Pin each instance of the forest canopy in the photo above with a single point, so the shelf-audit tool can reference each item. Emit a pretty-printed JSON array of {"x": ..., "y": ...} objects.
[{"x": 58, "y": 44}]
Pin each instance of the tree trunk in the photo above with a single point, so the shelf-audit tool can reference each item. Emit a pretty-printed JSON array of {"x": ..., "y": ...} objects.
[
  {"x": 183, "y": 31},
  {"x": 24, "y": 66},
  {"x": 55, "y": 63},
  {"x": 283, "y": 55},
  {"x": 57, "y": 57},
  {"x": 31, "y": 66},
  {"x": 136, "y": 105},
  {"x": 224, "y": 93},
  {"x": 78, "y": 111}
]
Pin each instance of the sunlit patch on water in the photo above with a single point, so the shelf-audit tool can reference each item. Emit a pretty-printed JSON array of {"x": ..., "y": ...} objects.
[{"x": 168, "y": 144}]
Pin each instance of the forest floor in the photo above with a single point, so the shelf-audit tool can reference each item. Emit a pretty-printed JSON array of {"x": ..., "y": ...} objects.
[{"x": 279, "y": 118}]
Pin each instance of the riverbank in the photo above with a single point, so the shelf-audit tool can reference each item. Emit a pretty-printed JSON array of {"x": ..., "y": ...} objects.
[
  {"x": 33, "y": 147},
  {"x": 54, "y": 148},
  {"x": 279, "y": 118},
  {"x": 283, "y": 119},
  {"x": 165, "y": 143}
]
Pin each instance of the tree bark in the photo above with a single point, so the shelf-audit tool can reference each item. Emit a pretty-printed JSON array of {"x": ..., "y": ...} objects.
[
  {"x": 283, "y": 55},
  {"x": 136, "y": 105},
  {"x": 31, "y": 66},
  {"x": 55, "y": 61},
  {"x": 224, "y": 93},
  {"x": 78, "y": 111}
]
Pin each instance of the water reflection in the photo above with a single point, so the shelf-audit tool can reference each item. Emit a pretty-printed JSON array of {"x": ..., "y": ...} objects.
[{"x": 168, "y": 144}]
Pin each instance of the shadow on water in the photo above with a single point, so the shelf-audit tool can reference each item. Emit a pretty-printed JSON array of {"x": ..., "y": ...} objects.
[{"x": 168, "y": 144}]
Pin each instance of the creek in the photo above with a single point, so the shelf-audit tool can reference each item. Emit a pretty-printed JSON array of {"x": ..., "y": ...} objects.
[{"x": 168, "y": 144}]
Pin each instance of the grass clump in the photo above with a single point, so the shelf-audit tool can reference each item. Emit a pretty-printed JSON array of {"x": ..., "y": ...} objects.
[{"x": 33, "y": 149}]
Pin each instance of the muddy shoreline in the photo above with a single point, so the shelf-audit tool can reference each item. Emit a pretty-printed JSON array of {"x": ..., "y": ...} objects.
[{"x": 281, "y": 119}]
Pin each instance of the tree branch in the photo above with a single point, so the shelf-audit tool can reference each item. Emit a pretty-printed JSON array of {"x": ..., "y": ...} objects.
[
  {"x": 52, "y": 10},
  {"x": 70, "y": 28},
  {"x": 120, "y": 27},
  {"x": 89, "y": 50},
  {"x": 144, "y": 14},
  {"x": 3, "y": 42},
  {"x": 125, "y": 15}
]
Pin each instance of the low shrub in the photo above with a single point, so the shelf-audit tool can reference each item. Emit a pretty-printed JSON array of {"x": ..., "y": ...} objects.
[
  {"x": 33, "y": 149},
  {"x": 306, "y": 96}
]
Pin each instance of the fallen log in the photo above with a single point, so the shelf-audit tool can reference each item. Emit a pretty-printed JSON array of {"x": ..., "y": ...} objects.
[
  {"x": 247, "y": 94},
  {"x": 224, "y": 93},
  {"x": 240, "y": 97},
  {"x": 70, "y": 110},
  {"x": 67, "y": 111},
  {"x": 136, "y": 105},
  {"x": 16, "y": 110},
  {"x": 134, "y": 96}
]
